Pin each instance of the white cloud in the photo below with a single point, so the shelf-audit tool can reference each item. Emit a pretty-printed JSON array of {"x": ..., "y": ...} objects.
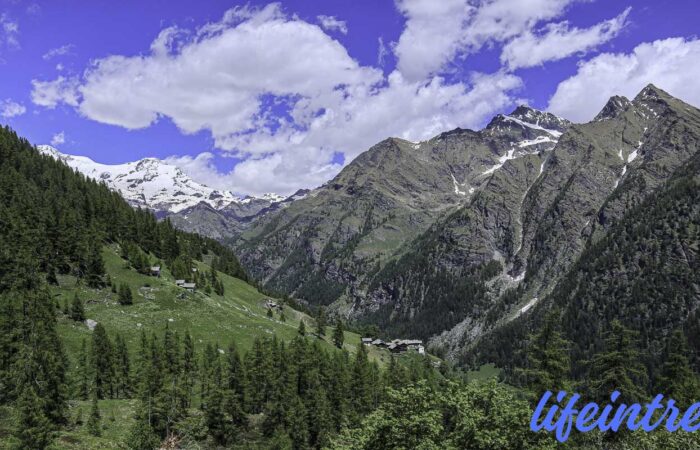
[
  {"x": 10, "y": 31},
  {"x": 58, "y": 51},
  {"x": 234, "y": 77},
  {"x": 9, "y": 108},
  {"x": 58, "y": 139},
  {"x": 413, "y": 111},
  {"x": 382, "y": 52},
  {"x": 432, "y": 35},
  {"x": 439, "y": 31},
  {"x": 331, "y": 23},
  {"x": 50, "y": 93},
  {"x": 216, "y": 80},
  {"x": 671, "y": 64},
  {"x": 559, "y": 41}
]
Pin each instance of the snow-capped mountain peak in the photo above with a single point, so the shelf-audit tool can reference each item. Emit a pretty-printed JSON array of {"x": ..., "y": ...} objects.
[{"x": 152, "y": 183}]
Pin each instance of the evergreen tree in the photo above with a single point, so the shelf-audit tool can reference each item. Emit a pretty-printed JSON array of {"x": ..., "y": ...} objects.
[
  {"x": 123, "y": 386},
  {"x": 33, "y": 429},
  {"x": 125, "y": 295},
  {"x": 95, "y": 269},
  {"x": 619, "y": 367},
  {"x": 214, "y": 402},
  {"x": 549, "y": 365},
  {"x": 269, "y": 313},
  {"x": 84, "y": 378},
  {"x": 321, "y": 322},
  {"x": 189, "y": 369},
  {"x": 77, "y": 311},
  {"x": 102, "y": 359},
  {"x": 677, "y": 379},
  {"x": 302, "y": 328},
  {"x": 95, "y": 420},
  {"x": 141, "y": 436},
  {"x": 338, "y": 334},
  {"x": 396, "y": 375},
  {"x": 234, "y": 389},
  {"x": 361, "y": 384},
  {"x": 283, "y": 318}
]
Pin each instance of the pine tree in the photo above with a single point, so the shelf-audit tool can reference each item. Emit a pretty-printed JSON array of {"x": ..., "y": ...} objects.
[
  {"x": 123, "y": 386},
  {"x": 95, "y": 269},
  {"x": 549, "y": 364},
  {"x": 677, "y": 379},
  {"x": 141, "y": 436},
  {"x": 269, "y": 313},
  {"x": 125, "y": 295},
  {"x": 83, "y": 380},
  {"x": 619, "y": 367},
  {"x": 338, "y": 334},
  {"x": 102, "y": 359},
  {"x": 189, "y": 369},
  {"x": 214, "y": 406},
  {"x": 361, "y": 384},
  {"x": 283, "y": 318},
  {"x": 321, "y": 322},
  {"x": 33, "y": 429},
  {"x": 95, "y": 420},
  {"x": 77, "y": 311},
  {"x": 302, "y": 328}
]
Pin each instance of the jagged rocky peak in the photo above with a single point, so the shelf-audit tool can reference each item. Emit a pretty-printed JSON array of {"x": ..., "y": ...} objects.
[
  {"x": 613, "y": 108},
  {"x": 525, "y": 117},
  {"x": 536, "y": 117},
  {"x": 653, "y": 99}
]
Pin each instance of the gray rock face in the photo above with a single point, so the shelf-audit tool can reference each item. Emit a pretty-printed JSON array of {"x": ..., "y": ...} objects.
[{"x": 328, "y": 247}]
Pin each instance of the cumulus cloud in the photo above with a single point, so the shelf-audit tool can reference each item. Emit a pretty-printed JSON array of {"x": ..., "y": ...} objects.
[
  {"x": 558, "y": 41},
  {"x": 10, "y": 108},
  {"x": 438, "y": 32},
  {"x": 58, "y": 139},
  {"x": 331, "y": 23},
  {"x": 274, "y": 91},
  {"x": 58, "y": 51},
  {"x": 50, "y": 93},
  {"x": 671, "y": 64}
]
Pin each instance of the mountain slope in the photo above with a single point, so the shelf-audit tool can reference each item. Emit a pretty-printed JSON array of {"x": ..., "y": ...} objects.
[
  {"x": 434, "y": 236},
  {"x": 326, "y": 247}
]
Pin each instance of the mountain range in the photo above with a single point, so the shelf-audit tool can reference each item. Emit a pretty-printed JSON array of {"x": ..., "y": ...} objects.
[
  {"x": 449, "y": 239},
  {"x": 166, "y": 190}
]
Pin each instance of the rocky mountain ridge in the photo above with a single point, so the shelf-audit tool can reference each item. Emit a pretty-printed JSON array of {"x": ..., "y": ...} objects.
[
  {"x": 165, "y": 189},
  {"x": 459, "y": 234}
]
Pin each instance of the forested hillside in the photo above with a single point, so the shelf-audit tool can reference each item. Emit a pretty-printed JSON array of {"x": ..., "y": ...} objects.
[{"x": 97, "y": 351}]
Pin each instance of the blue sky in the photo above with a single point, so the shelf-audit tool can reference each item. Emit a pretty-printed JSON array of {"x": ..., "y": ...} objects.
[{"x": 259, "y": 96}]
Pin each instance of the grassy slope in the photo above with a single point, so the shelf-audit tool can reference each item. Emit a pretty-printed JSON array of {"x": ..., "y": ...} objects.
[{"x": 239, "y": 315}]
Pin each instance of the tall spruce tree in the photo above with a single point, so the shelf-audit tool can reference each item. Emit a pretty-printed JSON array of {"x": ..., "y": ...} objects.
[
  {"x": 123, "y": 388},
  {"x": 33, "y": 429},
  {"x": 83, "y": 373},
  {"x": 77, "y": 310},
  {"x": 338, "y": 334},
  {"x": 549, "y": 363},
  {"x": 126, "y": 297},
  {"x": 619, "y": 367},
  {"x": 102, "y": 359},
  {"x": 94, "y": 423},
  {"x": 321, "y": 322},
  {"x": 677, "y": 379}
]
